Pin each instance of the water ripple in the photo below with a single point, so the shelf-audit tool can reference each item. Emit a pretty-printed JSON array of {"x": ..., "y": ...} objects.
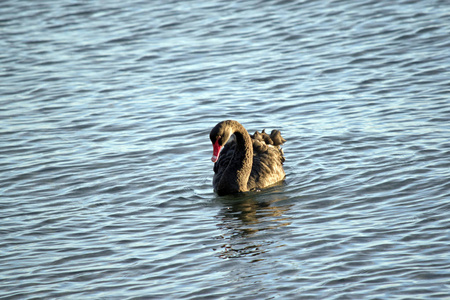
[{"x": 106, "y": 178}]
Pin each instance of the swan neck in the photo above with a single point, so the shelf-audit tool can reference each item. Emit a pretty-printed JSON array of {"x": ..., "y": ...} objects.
[{"x": 241, "y": 163}]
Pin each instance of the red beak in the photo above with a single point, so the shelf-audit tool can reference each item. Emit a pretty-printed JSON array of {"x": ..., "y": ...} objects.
[{"x": 216, "y": 151}]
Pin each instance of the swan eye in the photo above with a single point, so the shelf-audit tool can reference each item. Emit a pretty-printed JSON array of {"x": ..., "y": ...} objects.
[{"x": 219, "y": 138}]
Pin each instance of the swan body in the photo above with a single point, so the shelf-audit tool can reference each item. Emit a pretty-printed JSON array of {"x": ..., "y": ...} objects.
[{"x": 243, "y": 162}]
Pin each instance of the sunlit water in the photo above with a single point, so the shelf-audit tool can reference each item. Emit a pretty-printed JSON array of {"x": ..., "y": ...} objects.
[{"x": 105, "y": 187}]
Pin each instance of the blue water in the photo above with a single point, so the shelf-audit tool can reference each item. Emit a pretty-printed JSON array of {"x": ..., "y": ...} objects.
[{"x": 106, "y": 108}]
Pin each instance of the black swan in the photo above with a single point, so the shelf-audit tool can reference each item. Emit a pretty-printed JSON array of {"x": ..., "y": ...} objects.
[{"x": 246, "y": 162}]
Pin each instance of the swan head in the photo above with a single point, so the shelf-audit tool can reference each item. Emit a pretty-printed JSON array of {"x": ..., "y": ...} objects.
[{"x": 219, "y": 136}]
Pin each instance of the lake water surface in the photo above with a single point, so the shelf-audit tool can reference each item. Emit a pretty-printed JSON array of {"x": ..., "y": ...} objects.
[{"x": 106, "y": 108}]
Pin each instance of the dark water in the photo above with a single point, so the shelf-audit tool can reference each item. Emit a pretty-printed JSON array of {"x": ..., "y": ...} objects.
[{"x": 105, "y": 187}]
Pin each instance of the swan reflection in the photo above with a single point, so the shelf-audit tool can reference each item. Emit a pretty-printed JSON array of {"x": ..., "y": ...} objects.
[{"x": 250, "y": 222}]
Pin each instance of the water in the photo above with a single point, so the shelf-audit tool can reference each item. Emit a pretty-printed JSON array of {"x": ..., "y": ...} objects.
[{"x": 106, "y": 107}]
